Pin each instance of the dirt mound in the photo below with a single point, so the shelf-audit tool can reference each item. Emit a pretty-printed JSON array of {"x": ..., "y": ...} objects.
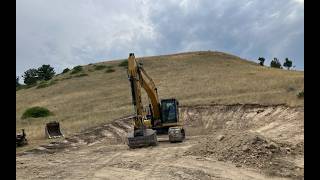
[
  {"x": 251, "y": 150},
  {"x": 265, "y": 137}
]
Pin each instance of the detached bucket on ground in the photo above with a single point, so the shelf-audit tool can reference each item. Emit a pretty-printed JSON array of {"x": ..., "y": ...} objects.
[
  {"x": 21, "y": 139},
  {"x": 53, "y": 130}
]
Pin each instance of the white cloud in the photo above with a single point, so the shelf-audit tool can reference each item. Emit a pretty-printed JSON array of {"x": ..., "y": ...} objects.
[
  {"x": 299, "y": 1},
  {"x": 68, "y": 33}
]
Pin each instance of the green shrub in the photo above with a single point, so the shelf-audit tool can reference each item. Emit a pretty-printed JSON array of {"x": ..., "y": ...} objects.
[
  {"x": 45, "y": 72},
  {"x": 36, "y": 112},
  {"x": 30, "y": 77},
  {"x": 300, "y": 94},
  {"x": 261, "y": 59},
  {"x": 287, "y": 63},
  {"x": 76, "y": 69},
  {"x": 65, "y": 70},
  {"x": 110, "y": 70},
  {"x": 275, "y": 63},
  {"x": 17, "y": 81},
  {"x": 100, "y": 67},
  {"x": 124, "y": 63}
]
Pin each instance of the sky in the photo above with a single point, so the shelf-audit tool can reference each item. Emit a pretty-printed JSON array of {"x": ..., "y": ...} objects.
[{"x": 78, "y": 32}]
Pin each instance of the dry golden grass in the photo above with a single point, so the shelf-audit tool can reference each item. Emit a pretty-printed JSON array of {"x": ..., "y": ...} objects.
[{"x": 192, "y": 78}]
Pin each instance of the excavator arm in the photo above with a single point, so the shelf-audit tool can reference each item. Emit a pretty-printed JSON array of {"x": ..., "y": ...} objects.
[
  {"x": 134, "y": 78},
  {"x": 149, "y": 86},
  {"x": 139, "y": 78},
  {"x": 141, "y": 136}
]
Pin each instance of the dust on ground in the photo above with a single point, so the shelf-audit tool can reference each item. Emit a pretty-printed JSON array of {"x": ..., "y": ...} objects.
[{"x": 223, "y": 142}]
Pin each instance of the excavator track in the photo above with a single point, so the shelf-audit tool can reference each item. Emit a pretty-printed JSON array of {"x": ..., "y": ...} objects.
[{"x": 148, "y": 139}]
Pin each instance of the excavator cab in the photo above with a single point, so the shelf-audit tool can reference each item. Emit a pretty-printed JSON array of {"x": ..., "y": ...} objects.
[
  {"x": 170, "y": 120},
  {"x": 169, "y": 111}
]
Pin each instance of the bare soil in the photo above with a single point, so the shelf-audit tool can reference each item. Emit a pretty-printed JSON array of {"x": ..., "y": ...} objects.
[{"x": 237, "y": 141}]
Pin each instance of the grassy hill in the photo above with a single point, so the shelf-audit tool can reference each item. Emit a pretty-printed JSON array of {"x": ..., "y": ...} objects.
[{"x": 204, "y": 77}]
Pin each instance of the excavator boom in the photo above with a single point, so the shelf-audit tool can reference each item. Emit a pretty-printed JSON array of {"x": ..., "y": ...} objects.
[{"x": 141, "y": 135}]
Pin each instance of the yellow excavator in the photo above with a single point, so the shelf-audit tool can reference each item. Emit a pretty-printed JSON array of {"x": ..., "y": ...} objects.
[{"x": 160, "y": 117}]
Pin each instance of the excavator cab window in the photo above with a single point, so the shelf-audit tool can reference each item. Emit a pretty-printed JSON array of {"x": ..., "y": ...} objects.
[{"x": 169, "y": 111}]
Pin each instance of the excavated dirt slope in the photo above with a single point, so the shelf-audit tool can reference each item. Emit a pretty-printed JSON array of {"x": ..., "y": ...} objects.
[
  {"x": 268, "y": 137},
  {"x": 223, "y": 142}
]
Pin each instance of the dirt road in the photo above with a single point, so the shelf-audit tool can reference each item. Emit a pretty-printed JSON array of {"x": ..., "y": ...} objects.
[{"x": 223, "y": 142}]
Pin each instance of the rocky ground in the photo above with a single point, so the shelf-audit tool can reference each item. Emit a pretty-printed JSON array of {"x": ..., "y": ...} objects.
[{"x": 223, "y": 142}]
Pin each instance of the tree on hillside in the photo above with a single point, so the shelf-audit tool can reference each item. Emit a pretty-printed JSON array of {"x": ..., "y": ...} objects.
[
  {"x": 275, "y": 63},
  {"x": 261, "y": 59},
  {"x": 65, "y": 70},
  {"x": 45, "y": 72},
  {"x": 30, "y": 76},
  {"x": 287, "y": 63},
  {"x": 17, "y": 81}
]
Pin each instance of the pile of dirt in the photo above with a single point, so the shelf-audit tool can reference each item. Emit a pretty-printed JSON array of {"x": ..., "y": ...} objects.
[
  {"x": 267, "y": 138},
  {"x": 251, "y": 150}
]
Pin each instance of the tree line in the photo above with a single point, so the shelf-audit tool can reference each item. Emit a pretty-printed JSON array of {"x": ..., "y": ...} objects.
[
  {"x": 46, "y": 72},
  {"x": 31, "y": 76},
  {"x": 275, "y": 63}
]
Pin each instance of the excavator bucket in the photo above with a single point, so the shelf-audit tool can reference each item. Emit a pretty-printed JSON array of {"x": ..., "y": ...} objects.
[
  {"x": 21, "y": 139},
  {"x": 53, "y": 130},
  {"x": 148, "y": 138}
]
